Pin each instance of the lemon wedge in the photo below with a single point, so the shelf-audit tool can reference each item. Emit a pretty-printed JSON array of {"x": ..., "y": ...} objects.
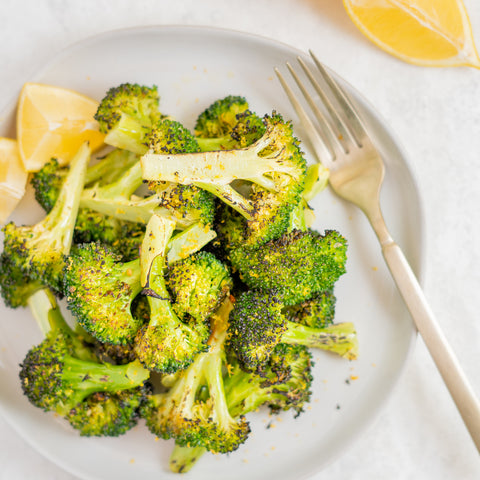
[
  {"x": 434, "y": 33},
  {"x": 54, "y": 122},
  {"x": 13, "y": 178}
]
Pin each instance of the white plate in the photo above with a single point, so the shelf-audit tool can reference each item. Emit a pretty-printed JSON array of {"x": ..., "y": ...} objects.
[{"x": 192, "y": 67}]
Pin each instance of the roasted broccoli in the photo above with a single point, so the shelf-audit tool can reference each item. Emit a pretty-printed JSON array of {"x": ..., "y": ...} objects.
[
  {"x": 107, "y": 414},
  {"x": 228, "y": 124},
  {"x": 167, "y": 343},
  {"x": 257, "y": 326},
  {"x": 91, "y": 226},
  {"x": 297, "y": 265},
  {"x": 283, "y": 383},
  {"x": 16, "y": 286},
  {"x": 61, "y": 372},
  {"x": 198, "y": 285},
  {"x": 274, "y": 167},
  {"x": 318, "y": 311},
  {"x": 125, "y": 115},
  {"x": 100, "y": 290},
  {"x": 38, "y": 250},
  {"x": 194, "y": 410},
  {"x": 184, "y": 204}
]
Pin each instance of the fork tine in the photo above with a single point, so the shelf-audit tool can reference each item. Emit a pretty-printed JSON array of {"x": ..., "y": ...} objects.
[
  {"x": 344, "y": 134},
  {"x": 319, "y": 145},
  {"x": 357, "y": 128},
  {"x": 333, "y": 140}
]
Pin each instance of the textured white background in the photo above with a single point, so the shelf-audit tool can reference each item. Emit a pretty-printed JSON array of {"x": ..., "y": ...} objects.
[{"x": 436, "y": 115}]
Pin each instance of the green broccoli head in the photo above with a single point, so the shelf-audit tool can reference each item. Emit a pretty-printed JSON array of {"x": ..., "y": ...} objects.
[
  {"x": 187, "y": 204},
  {"x": 296, "y": 265},
  {"x": 257, "y": 326},
  {"x": 198, "y": 284},
  {"x": 220, "y": 117},
  {"x": 130, "y": 100},
  {"x": 317, "y": 311},
  {"x": 47, "y": 183},
  {"x": 54, "y": 380},
  {"x": 170, "y": 136},
  {"x": 283, "y": 383},
  {"x": 105, "y": 414},
  {"x": 100, "y": 290},
  {"x": 16, "y": 286},
  {"x": 228, "y": 124}
]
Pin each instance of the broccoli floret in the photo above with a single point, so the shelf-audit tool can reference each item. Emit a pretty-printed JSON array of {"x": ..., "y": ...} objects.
[
  {"x": 317, "y": 312},
  {"x": 16, "y": 286},
  {"x": 274, "y": 167},
  {"x": 283, "y": 383},
  {"x": 186, "y": 205},
  {"x": 48, "y": 181},
  {"x": 100, "y": 290},
  {"x": 62, "y": 371},
  {"x": 297, "y": 265},
  {"x": 38, "y": 250},
  {"x": 167, "y": 343},
  {"x": 228, "y": 124},
  {"x": 198, "y": 284},
  {"x": 107, "y": 414},
  {"x": 194, "y": 410},
  {"x": 125, "y": 115},
  {"x": 91, "y": 226},
  {"x": 257, "y": 325}
]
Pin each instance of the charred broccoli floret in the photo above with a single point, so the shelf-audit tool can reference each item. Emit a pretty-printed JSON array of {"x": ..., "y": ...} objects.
[
  {"x": 228, "y": 124},
  {"x": 106, "y": 414},
  {"x": 61, "y": 372},
  {"x": 189, "y": 416},
  {"x": 318, "y": 311},
  {"x": 125, "y": 115},
  {"x": 257, "y": 326},
  {"x": 198, "y": 284},
  {"x": 273, "y": 166},
  {"x": 38, "y": 250},
  {"x": 100, "y": 290},
  {"x": 167, "y": 343},
  {"x": 297, "y": 265},
  {"x": 16, "y": 286},
  {"x": 283, "y": 383}
]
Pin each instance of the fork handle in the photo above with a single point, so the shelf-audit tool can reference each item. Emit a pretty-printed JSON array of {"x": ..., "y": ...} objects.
[{"x": 447, "y": 363}]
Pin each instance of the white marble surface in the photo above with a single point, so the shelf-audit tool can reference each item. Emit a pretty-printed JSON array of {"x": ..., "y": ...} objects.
[{"x": 436, "y": 115}]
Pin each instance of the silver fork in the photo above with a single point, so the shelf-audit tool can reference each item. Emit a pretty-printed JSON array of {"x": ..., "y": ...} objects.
[{"x": 342, "y": 144}]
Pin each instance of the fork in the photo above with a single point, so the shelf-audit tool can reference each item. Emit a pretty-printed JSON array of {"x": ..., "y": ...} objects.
[{"x": 341, "y": 143}]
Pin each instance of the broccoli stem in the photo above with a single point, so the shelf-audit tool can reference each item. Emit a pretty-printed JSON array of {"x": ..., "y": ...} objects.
[
  {"x": 60, "y": 222},
  {"x": 128, "y": 134},
  {"x": 339, "y": 338},
  {"x": 183, "y": 459},
  {"x": 109, "y": 168},
  {"x": 90, "y": 377},
  {"x": 231, "y": 197},
  {"x": 189, "y": 241},
  {"x": 218, "y": 167}
]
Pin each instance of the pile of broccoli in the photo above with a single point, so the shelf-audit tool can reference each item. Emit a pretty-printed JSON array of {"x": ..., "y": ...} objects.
[{"x": 195, "y": 284}]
